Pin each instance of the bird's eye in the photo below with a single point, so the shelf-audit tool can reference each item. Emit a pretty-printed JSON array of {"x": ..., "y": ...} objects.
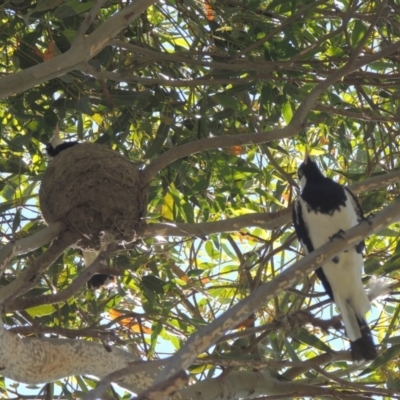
[{"x": 300, "y": 173}]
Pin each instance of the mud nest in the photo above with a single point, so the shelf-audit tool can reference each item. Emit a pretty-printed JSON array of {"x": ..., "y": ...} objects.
[{"x": 94, "y": 189}]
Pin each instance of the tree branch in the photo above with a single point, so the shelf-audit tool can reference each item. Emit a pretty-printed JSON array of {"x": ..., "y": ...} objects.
[
  {"x": 34, "y": 361},
  {"x": 91, "y": 15},
  {"x": 116, "y": 376},
  {"x": 244, "y": 384},
  {"x": 26, "y": 245},
  {"x": 32, "y": 301},
  {"x": 272, "y": 220},
  {"x": 28, "y": 278}
]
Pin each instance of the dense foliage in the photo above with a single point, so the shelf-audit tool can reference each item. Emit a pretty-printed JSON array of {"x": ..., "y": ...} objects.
[{"x": 187, "y": 70}]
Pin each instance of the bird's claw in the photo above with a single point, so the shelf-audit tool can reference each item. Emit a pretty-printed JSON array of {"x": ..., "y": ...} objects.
[
  {"x": 338, "y": 234},
  {"x": 368, "y": 218}
]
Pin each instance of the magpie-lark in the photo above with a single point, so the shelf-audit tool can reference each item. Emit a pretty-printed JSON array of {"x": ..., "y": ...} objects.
[
  {"x": 325, "y": 209},
  {"x": 53, "y": 149}
]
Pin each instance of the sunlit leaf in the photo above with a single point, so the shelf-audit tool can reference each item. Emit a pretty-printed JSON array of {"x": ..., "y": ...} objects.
[
  {"x": 167, "y": 208},
  {"x": 40, "y": 311},
  {"x": 287, "y": 112}
]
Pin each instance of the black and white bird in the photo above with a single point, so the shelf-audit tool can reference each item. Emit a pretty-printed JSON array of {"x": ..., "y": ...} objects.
[
  {"x": 53, "y": 149},
  {"x": 325, "y": 209},
  {"x": 97, "y": 281},
  {"x": 56, "y": 145}
]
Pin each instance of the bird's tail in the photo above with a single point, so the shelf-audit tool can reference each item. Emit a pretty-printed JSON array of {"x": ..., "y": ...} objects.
[
  {"x": 364, "y": 347},
  {"x": 357, "y": 330}
]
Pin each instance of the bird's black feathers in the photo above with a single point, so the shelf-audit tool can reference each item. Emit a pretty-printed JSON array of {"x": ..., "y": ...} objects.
[
  {"x": 54, "y": 151},
  {"x": 99, "y": 280},
  {"x": 363, "y": 348},
  {"x": 325, "y": 201}
]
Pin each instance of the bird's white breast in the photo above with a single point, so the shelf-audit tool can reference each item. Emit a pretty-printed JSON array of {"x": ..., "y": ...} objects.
[
  {"x": 323, "y": 226},
  {"x": 344, "y": 276}
]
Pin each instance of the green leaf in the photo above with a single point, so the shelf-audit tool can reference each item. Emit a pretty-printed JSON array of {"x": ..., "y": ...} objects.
[
  {"x": 388, "y": 233},
  {"x": 195, "y": 272},
  {"x": 79, "y": 6},
  {"x": 158, "y": 142},
  {"x": 287, "y": 112},
  {"x": 358, "y": 32},
  {"x": 167, "y": 207},
  {"x": 64, "y": 11},
  {"x": 382, "y": 359},
  {"x": 209, "y": 248},
  {"x": 40, "y": 311},
  {"x": 226, "y": 101},
  {"x": 83, "y": 105},
  {"x": 17, "y": 221},
  {"x": 43, "y": 5},
  {"x": 392, "y": 382},
  {"x": 81, "y": 383},
  {"x": 292, "y": 353},
  {"x": 306, "y": 337},
  {"x": 154, "y": 284}
]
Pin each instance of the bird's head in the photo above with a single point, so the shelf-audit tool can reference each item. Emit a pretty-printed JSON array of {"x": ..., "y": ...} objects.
[
  {"x": 309, "y": 171},
  {"x": 56, "y": 139}
]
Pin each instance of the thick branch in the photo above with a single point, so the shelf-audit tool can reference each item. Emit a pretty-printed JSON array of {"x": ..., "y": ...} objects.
[
  {"x": 30, "y": 276},
  {"x": 116, "y": 376},
  {"x": 244, "y": 384},
  {"x": 26, "y": 245},
  {"x": 33, "y": 361},
  {"x": 263, "y": 220},
  {"x": 82, "y": 50},
  {"x": 208, "y": 335},
  {"x": 90, "y": 16},
  {"x": 22, "y": 303}
]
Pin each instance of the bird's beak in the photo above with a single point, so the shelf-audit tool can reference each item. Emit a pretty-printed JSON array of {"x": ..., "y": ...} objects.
[
  {"x": 306, "y": 156},
  {"x": 56, "y": 139}
]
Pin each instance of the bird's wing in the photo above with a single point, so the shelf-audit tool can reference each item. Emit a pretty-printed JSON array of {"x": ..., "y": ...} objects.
[
  {"x": 301, "y": 227},
  {"x": 304, "y": 237},
  {"x": 359, "y": 212},
  {"x": 356, "y": 205}
]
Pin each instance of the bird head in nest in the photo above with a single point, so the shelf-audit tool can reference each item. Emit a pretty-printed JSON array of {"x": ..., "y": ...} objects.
[{"x": 54, "y": 142}]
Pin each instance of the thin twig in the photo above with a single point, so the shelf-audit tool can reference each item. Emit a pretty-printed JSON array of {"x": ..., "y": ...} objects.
[{"x": 91, "y": 15}]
